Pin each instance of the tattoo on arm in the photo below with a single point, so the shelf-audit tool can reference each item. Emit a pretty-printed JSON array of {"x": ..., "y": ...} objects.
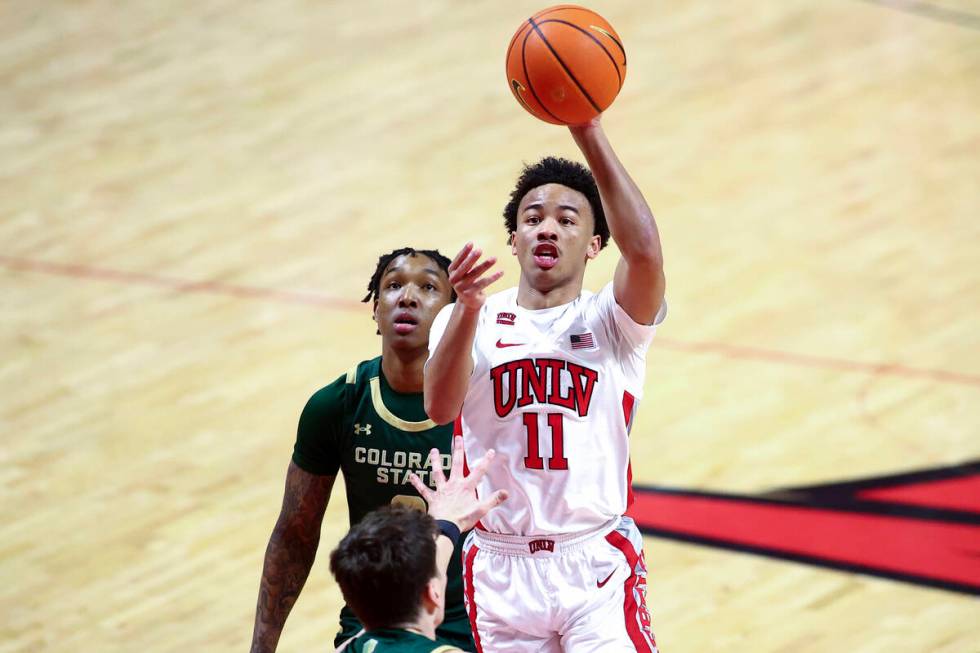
[{"x": 290, "y": 554}]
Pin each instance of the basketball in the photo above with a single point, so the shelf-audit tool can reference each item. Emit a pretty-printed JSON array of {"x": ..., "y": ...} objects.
[{"x": 566, "y": 64}]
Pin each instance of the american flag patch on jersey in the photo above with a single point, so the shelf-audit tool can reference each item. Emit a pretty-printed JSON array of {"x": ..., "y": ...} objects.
[{"x": 582, "y": 341}]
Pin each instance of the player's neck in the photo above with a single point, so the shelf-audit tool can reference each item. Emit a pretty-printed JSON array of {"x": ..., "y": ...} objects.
[
  {"x": 403, "y": 368},
  {"x": 425, "y": 629},
  {"x": 424, "y": 625},
  {"x": 535, "y": 299}
]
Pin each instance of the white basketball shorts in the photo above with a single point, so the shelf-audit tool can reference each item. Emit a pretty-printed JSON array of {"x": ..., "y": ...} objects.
[{"x": 574, "y": 593}]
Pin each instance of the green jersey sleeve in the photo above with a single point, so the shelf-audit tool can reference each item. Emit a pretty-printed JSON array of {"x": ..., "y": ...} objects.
[{"x": 317, "y": 448}]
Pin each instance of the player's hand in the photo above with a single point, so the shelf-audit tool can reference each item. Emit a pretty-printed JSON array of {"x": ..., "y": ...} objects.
[
  {"x": 467, "y": 276},
  {"x": 455, "y": 499}
]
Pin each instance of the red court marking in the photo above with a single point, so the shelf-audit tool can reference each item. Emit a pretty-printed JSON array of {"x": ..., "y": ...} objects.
[
  {"x": 951, "y": 493},
  {"x": 177, "y": 285},
  {"x": 937, "y": 550},
  {"x": 809, "y": 360},
  {"x": 313, "y": 299}
]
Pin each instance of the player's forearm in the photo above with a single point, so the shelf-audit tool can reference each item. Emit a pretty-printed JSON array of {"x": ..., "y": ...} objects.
[
  {"x": 630, "y": 219},
  {"x": 448, "y": 372},
  {"x": 288, "y": 560},
  {"x": 444, "y": 552}
]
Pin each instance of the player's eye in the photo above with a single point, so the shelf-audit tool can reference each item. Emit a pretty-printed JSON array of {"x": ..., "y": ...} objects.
[
  {"x": 532, "y": 219},
  {"x": 394, "y": 285},
  {"x": 430, "y": 286},
  {"x": 567, "y": 221}
]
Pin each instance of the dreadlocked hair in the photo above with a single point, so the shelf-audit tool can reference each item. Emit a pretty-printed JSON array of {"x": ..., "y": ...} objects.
[
  {"x": 385, "y": 260},
  {"x": 556, "y": 170}
]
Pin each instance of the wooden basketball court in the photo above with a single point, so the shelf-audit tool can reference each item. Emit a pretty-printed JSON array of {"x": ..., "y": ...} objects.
[{"x": 193, "y": 196}]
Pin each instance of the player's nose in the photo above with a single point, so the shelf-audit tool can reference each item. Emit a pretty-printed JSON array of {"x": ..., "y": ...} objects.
[
  {"x": 408, "y": 298},
  {"x": 547, "y": 231}
]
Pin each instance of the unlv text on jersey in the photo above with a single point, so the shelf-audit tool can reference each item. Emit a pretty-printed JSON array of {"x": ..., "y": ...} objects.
[{"x": 542, "y": 381}]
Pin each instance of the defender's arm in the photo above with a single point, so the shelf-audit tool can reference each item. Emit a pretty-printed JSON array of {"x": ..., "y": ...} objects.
[{"x": 290, "y": 553}]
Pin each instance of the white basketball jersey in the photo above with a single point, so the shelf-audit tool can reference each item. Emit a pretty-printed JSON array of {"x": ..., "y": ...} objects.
[{"x": 553, "y": 391}]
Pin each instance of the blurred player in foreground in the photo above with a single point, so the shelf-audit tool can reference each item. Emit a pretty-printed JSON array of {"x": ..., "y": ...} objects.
[
  {"x": 549, "y": 376},
  {"x": 369, "y": 424},
  {"x": 391, "y": 566}
]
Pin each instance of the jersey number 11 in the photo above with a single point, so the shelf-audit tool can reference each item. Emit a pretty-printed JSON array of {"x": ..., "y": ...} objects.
[{"x": 533, "y": 459}]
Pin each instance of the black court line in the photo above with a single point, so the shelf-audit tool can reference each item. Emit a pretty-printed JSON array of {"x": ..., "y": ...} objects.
[
  {"x": 832, "y": 502},
  {"x": 766, "y": 552},
  {"x": 934, "y": 12}
]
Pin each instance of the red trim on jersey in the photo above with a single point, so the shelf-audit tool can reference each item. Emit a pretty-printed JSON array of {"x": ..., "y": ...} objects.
[
  {"x": 470, "y": 594},
  {"x": 629, "y": 402},
  {"x": 634, "y": 612}
]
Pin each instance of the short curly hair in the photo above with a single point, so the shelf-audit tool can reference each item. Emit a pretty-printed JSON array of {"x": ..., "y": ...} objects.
[
  {"x": 374, "y": 285},
  {"x": 556, "y": 170}
]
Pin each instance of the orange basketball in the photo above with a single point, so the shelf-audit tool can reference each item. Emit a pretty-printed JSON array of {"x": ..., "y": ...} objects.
[{"x": 566, "y": 64}]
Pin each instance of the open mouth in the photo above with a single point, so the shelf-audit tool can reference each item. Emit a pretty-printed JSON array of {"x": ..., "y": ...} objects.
[
  {"x": 405, "y": 323},
  {"x": 546, "y": 256}
]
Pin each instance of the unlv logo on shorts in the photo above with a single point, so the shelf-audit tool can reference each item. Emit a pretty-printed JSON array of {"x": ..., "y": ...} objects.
[
  {"x": 541, "y": 545},
  {"x": 506, "y": 318}
]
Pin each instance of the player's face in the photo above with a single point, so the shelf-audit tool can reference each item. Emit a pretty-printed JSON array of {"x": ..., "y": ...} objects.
[
  {"x": 412, "y": 291},
  {"x": 554, "y": 239}
]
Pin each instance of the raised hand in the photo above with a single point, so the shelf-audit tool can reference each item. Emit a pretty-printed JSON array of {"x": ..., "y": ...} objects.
[
  {"x": 466, "y": 276},
  {"x": 455, "y": 499}
]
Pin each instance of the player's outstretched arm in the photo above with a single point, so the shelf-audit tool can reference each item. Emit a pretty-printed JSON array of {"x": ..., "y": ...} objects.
[
  {"x": 447, "y": 372},
  {"x": 639, "y": 281},
  {"x": 290, "y": 553}
]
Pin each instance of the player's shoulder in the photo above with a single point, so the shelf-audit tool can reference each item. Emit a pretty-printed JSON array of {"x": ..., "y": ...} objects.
[
  {"x": 332, "y": 395},
  {"x": 500, "y": 301},
  {"x": 362, "y": 372}
]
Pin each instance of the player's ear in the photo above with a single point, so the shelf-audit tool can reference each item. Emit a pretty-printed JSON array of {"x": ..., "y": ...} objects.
[
  {"x": 513, "y": 243},
  {"x": 595, "y": 244},
  {"x": 432, "y": 593}
]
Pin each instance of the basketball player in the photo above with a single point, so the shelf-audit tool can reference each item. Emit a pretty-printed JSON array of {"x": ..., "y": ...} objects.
[
  {"x": 549, "y": 375},
  {"x": 370, "y": 425},
  {"x": 391, "y": 566}
]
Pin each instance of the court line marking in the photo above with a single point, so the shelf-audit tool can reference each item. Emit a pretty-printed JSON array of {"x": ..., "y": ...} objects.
[
  {"x": 76, "y": 271},
  {"x": 724, "y": 350}
]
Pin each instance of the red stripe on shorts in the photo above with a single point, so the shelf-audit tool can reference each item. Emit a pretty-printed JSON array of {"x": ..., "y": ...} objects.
[
  {"x": 470, "y": 594},
  {"x": 634, "y": 612}
]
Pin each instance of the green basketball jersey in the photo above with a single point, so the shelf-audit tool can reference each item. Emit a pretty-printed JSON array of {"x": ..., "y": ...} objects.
[
  {"x": 390, "y": 640},
  {"x": 375, "y": 436}
]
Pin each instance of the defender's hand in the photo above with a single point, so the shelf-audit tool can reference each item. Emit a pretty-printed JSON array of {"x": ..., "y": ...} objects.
[
  {"x": 455, "y": 499},
  {"x": 466, "y": 276}
]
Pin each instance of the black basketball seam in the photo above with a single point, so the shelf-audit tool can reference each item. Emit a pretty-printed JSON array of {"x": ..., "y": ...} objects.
[
  {"x": 530, "y": 86},
  {"x": 619, "y": 76},
  {"x": 588, "y": 11},
  {"x": 513, "y": 41},
  {"x": 565, "y": 68}
]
